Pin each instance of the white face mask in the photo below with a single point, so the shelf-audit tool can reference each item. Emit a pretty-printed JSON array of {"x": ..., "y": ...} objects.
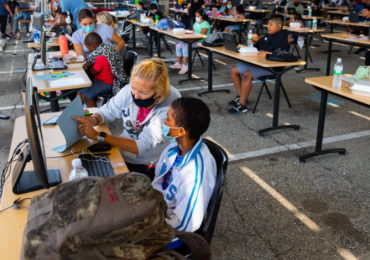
[{"x": 197, "y": 19}]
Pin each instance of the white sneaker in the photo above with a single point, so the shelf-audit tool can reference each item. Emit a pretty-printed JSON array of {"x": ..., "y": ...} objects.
[
  {"x": 100, "y": 102},
  {"x": 176, "y": 66},
  {"x": 184, "y": 69}
]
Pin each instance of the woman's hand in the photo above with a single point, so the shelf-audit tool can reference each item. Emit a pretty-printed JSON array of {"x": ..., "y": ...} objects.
[{"x": 85, "y": 127}]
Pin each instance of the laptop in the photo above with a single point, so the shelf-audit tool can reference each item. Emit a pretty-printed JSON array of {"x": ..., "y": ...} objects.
[
  {"x": 353, "y": 17},
  {"x": 352, "y": 8},
  {"x": 170, "y": 23},
  {"x": 291, "y": 10},
  {"x": 230, "y": 42},
  {"x": 24, "y": 5}
]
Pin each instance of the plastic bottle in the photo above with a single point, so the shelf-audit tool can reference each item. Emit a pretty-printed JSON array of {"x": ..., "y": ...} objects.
[
  {"x": 78, "y": 171},
  {"x": 309, "y": 11},
  {"x": 314, "y": 24},
  {"x": 36, "y": 35},
  {"x": 156, "y": 19},
  {"x": 250, "y": 42},
  {"x": 338, "y": 71},
  {"x": 63, "y": 43}
]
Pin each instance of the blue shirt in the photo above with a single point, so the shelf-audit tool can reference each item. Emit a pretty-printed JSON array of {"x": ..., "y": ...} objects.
[
  {"x": 73, "y": 6},
  {"x": 3, "y": 10}
]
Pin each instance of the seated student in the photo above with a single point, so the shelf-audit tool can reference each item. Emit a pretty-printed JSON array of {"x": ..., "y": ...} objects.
[
  {"x": 361, "y": 30},
  {"x": 139, "y": 8},
  {"x": 104, "y": 64},
  {"x": 142, "y": 105},
  {"x": 275, "y": 39},
  {"x": 60, "y": 20},
  {"x": 24, "y": 15},
  {"x": 186, "y": 171},
  {"x": 105, "y": 18},
  {"x": 240, "y": 14},
  {"x": 227, "y": 12},
  {"x": 201, "y": 26},
  {"x": 295, "y": 18},
  {"x": 152, "y": 13},
  {"x": 316, "y": 9},
  {"x": 294, "y": 4}
]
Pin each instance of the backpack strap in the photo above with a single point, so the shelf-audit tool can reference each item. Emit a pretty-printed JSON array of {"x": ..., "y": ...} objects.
[{"x": 196, "y": 243}]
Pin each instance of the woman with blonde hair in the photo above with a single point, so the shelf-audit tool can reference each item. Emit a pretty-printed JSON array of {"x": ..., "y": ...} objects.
[
  {"x": 105, "y": 18},
  {"x": 143, "y": 105}
]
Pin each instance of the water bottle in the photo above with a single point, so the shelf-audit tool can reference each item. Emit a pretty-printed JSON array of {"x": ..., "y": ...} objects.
[
  {"x": 314, "y": 24},
  {"x": 309, "y": 11},
  {"x": 63, "y": 43},
  {"x": 78, "y": 171},
  {"x": 250, "y": 42},
  {"x": 156, "y": 19},
  {"x": 36, "y": 35},
  {"x": 338, "y": 71},
  {"x": 323, "y": 4}
]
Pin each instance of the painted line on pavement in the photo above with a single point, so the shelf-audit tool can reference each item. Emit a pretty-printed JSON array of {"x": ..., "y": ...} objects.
[{"x": 289, "y": 147}]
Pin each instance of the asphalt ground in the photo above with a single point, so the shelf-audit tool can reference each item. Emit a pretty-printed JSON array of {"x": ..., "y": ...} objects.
[{"x": 273, "y": 206}]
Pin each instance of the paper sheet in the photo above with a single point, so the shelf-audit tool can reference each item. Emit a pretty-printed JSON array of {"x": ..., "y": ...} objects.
[
  {"x": 68, "y": 126},
  {"x": 49, "y": 77},
  {"x": 67, "y": 82}
]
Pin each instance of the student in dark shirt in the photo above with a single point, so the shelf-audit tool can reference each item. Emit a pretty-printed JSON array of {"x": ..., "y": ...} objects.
[
  {"x": 152, "y": 13},
  {"x": 316, "y": 12},
  {"x": 13, "y": 4},
  {"x": 275, "y": 39}
]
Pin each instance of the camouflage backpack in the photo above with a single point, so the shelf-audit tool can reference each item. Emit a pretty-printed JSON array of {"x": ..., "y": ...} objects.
[{"x": 121, "y": 217}]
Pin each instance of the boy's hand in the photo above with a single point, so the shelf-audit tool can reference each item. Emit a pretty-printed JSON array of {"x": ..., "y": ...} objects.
[
  {"x": 86, "y": 66},
  {"x": 255, "y": 38}
]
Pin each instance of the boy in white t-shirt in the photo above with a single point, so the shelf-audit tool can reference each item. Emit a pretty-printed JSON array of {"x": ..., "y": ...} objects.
[{"x": 186, "y": 170}]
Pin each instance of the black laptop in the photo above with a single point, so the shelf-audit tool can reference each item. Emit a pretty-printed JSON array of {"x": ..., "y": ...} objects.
[
  {"x": 352, "y": 8},
  {"x": 291, "y": 10},
  {"x": 353, "y": 17},
  {"x": 24, "y": 5},
  {"x": 230, "y": 42}
]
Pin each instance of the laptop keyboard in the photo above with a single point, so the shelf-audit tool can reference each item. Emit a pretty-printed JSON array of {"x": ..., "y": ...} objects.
[{"x": 97, "y": 166}]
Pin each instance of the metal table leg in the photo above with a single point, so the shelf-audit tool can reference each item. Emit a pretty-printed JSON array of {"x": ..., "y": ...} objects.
[
  {"x": 331, "y": 31},
  {"x": 210, "y": 90},
  {"x": 190, "y": 65},
  {"x": 306, "y": 56},
  {"x": 275, "y": 117},
  {"x": 329, "y": 58},
  {"x": 320, "y": 133}
]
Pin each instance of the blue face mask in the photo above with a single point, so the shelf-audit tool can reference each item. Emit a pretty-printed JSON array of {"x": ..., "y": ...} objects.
[
  {"x": 229, "y": 6},
  {"x": 89, "y": 29},
  {"x": 56, "y": 4},
  {"x": 166, "y": 130}
]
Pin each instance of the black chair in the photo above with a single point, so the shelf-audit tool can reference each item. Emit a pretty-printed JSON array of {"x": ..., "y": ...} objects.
[
  {"x": 264, "y": 85},
  {"x": 128, "y": 63},
  {"x": 209, "y": 222}
]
